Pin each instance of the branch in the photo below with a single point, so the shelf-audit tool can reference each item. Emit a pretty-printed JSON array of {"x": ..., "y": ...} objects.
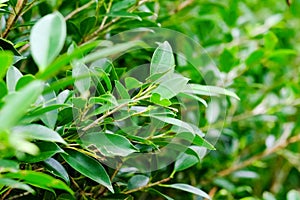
[
  {"x": 85, "y": 6},
  {"x": 148, "y": 185},
  {"x": 265, "y": 153},
  {"x": 13, "y": 17}
]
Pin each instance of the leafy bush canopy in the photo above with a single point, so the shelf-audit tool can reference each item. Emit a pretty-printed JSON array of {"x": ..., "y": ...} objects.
[{"x": 107, "y": 100}]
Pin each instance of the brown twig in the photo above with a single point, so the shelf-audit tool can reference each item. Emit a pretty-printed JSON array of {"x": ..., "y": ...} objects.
[
  {"x": 148, "y": 185},
  {"x": 14, "y": 16},
  {"x": 265, "y": 153}
]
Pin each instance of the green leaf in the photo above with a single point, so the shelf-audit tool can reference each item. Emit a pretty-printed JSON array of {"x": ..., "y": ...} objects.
[
  {"x": 155, "y": 98},
  {"x": 171, "y": 87},
  {"x": 270, "y": 40},
  {"x": 210, "y": 90},
  {"x": 40, "y": 180},
  {"x": 109, "y": 144},
  {"x": 124, "y": 14},
  {"x": 161, "y": 194},
  {"x": 8, "y": 165},
  {"x": 185, "y": 161},
  {"x": 255, "y": 57},
  {"x": 132, "y": 83},
  {"x": 187, "y": 95},
  {"x": 188, "y": 188},
  {"x": 87, "y": 25},
  {"x": 82, "y": 84},
  {"x": 6, "y": 59},
  {"x": 137, "y": 181},
  {"x": 57, "y": 169},
  {"x": 24, "y": 80},
  {"x": 8, "y": 46},
  {"x": 88, "y": 166},
  {"x": 12, "y": 77},
  {"x": 3, "y": 89},
  {"x": 15, "y": 184},
  {"x": 47, "y": 38},
  {"x": 39, "y": 132},
  {"x": 9, "y": 115},
  {"x": 122, "y": 5},
  {"x": 46, "y": 150},
  {"x": 49, "y": 99},
  {"x": 162, "y": 60},
  {"x": 121, "y": 90}
]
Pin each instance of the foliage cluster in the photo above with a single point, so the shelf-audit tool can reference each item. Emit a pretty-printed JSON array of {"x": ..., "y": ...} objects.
[{"x": 83, "y": 117}]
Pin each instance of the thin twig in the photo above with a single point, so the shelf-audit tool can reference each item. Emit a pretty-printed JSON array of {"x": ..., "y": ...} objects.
[
  {"x": 97, "y": 121},
  {"x": 13, "y": 17},
  {"x": 265, "y": 153},
  {"x": 148, "y": 185},
  {"x": 76, "y": 11}
]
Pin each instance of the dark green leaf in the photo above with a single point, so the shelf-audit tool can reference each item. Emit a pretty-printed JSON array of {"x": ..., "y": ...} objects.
[
  {"x": 57, "y": 169},
  {"x": 88, "y": 166},
  {"x": 137, "y": 181}
]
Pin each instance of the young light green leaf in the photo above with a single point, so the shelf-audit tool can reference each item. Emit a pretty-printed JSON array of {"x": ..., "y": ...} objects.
[
  {"x": 188, "y": 188},
  {"x": 162, "y": 60},
  {"x": 132, "y": 83},
  {"x": 121, "y": 90},
  {"x": 137, "y": 181},
  {"x": 39, "y": 132},
  {"x": 210, "y": 90},
  {"x": 6, "y": 59},
  {"x": 24, "y": 80},
  {"x": 9, "y": 115},
  {"x": 57, "y": 169},
  {"x": 12, "y": 77},
  {"x": 110, "y": 144},
  {"x": 15, "y": 184},
  {"x": 3, "y": 89},
  {"x": 88, "y": 166},
  {"x": 155, "y": 98},
  {"x": 40, "y": 180},
  {"x": 47, "y": 38}
]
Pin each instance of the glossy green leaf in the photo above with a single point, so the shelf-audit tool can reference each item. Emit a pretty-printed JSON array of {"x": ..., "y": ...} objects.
[
  {"x": 88, "y": 166},
  {"x": 22, "y": 100},
  {"x": 57, "y": 169},
  {"x": 39, "y": 132},
  {"x": 6, "y": 59},
  {"x": 122, "y": 5},
  {"x": 137, "y": 181},
  {"x": 15, "y": 184},
  {"x": 188, "y": 95},
  {"x": 110, "y": 144},
  {"x": 47, "y": 38},
  {"x": 188, "y": 188},
  {"x": 12, "y": 77},
  {"x": 24, "y": 80},
  {"x": 121, "y": 90},
  {"x": 39, "y": 180},
  {"x": 162, "y": 60},
  {"x": 46, "y": 150},
  {"x": 185, "y": 161},
  {"x": 8, "y": 165},
  {"x": 124, "y": 14},
  {"x": 210, "y": 90}
]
